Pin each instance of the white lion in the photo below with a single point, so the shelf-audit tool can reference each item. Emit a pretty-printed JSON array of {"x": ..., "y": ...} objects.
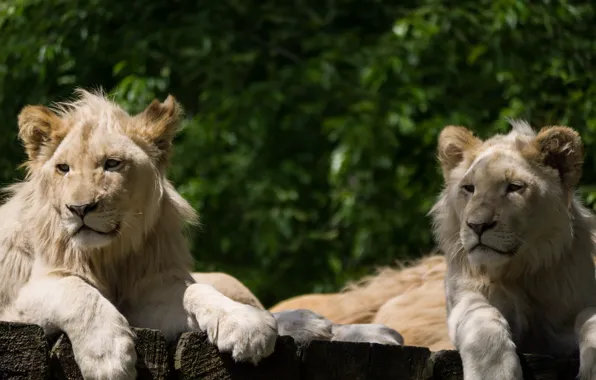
[
  {"x": 92, "y": 242},
  {"x": 519, "y": 246}
]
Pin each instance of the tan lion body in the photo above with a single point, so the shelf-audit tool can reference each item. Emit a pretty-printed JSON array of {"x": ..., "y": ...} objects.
[
  {"x": 229, "y": 286},
  {"x": 412, "y": 302},
  {"x": 409, "y": 299},
  {"x": 92, "y": 242}
]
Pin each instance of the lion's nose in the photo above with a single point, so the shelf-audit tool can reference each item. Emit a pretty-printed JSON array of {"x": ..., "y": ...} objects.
[
  {"x": 480, "y": 228},
  {"x": 82, "y": 210}
]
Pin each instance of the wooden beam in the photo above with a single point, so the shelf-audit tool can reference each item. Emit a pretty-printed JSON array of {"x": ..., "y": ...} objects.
[{"x": 23, "y": 352}]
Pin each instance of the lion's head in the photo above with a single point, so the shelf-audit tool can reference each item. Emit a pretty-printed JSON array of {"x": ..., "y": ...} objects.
[
  {"x": 97, "y": 172},
  {"x": 507, "y": 199}
]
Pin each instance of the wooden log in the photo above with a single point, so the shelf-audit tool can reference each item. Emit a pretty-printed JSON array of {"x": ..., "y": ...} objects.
[
  {"x": 398, "y": 362},
  {"x": 284, "y": 360},
  {"x": 541, "y": 367},
  {"x": 23, "y": 352},
  {"x": 447, "y": 365},
  {"x": 325, "y": 360},
  {"x": 153, "y": 360},
  {"x": 62, "y": 362},
  {"x": 152, "y": 357},
  {"x": 196, "y": 358}
]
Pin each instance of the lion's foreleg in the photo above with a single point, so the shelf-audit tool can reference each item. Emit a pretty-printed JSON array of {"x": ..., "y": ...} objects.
[
  {"x": 482, "y": 336},
  {"x": 585, "y": 327},
  {"x": 176, "y": 306},
  {"x": 101, "y": 338}
]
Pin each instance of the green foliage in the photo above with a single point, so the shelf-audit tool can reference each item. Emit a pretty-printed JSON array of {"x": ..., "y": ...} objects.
[{"x": 309, "y": 144}]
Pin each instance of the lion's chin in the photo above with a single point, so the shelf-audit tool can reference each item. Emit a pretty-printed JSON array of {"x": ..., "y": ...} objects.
[
  {"x": 482, "y": 255},
  {"x": 87, "y": 238}
]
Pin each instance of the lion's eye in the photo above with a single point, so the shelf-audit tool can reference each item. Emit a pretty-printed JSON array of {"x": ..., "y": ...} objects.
[
  {"x": 513, "y": 187},
  {"x": 112, "y": 164},
  {"x": 468, "y": 188},
  {"x": 63, "y": 168}
]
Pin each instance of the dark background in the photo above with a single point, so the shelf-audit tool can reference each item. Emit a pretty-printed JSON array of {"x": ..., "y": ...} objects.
[{"x": 309, "y": 144}]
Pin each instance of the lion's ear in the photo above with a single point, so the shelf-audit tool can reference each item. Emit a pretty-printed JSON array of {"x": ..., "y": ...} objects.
[
  {"x": 562, "y": 149},
  {"x": 40, "y": 129},
  {"x": 160, "y": 123},
  {"x": 453, "y": 142}
]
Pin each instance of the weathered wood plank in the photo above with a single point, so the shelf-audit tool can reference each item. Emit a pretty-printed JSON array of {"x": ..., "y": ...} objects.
[
  {"x": 62, "y": 362},
  {"x": 324, "y": 360},
  {"x": 196, "y": 358},
  {"x": 447, "y": 366},
  {"x": 152, "y": 357},
  {"x": 153, "y": 361},
  {"x": 398, "y": 362},
  {"x": 285, "y": 361},
  {"x": 540, "y": 367},
  {"x": 23, "y": 352}
]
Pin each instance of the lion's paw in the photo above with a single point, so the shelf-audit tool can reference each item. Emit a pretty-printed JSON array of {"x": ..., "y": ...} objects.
[
  {"x": 481, "y": 362},
  {"x": 107, "y": 354},
  {"x": 303, "y": 325},
  {"x": 246, "y": 332},
  {"x": 370, "y": 333}
]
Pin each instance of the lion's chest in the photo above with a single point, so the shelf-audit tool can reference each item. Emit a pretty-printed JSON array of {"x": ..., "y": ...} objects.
[{"x": 535, "y": 326}]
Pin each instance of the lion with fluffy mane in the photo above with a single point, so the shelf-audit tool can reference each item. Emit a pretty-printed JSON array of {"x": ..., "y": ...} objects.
[
  {"x": 519, "y": 247},
  {"x": 519, "y": 251},
  {"x": 92, "y": 241}
]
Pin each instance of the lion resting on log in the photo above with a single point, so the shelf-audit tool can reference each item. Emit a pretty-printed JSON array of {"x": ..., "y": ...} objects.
[
  {"x": 519, "y": 258},
  {"x": 92, "y": 242}
]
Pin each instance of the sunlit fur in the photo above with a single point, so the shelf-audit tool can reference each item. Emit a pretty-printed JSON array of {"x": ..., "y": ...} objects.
[
  {"x": 132, "y": 264},
  {"x": 525, "y": 288}
]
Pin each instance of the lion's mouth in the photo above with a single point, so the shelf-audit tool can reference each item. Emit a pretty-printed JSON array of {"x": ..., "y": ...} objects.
[
  {"x": 505, "y": 253},
  {"x": 86, "y": 228}
]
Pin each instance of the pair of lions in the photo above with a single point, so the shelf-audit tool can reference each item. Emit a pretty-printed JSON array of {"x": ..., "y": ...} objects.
[
  {"x": 92, "y": 242},
  {"x": 518, "y": 265}
]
